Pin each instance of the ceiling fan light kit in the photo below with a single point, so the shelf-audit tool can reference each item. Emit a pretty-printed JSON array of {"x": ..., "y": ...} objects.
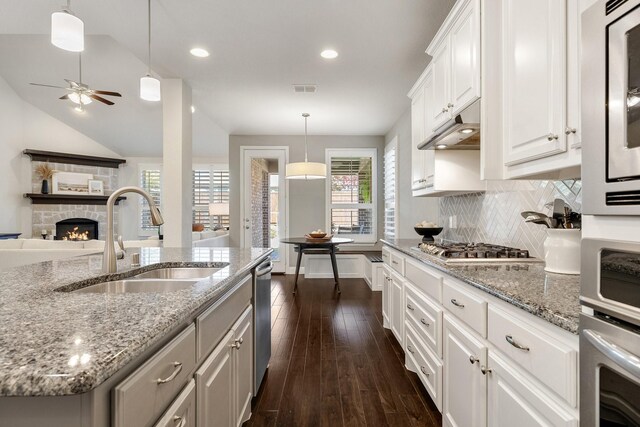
[
  {"x": 79, "y": 98},
  {"x": 306, "y": 170},
  {"x": 67, "y": 30},
  {"x": 149, "y": 86}
]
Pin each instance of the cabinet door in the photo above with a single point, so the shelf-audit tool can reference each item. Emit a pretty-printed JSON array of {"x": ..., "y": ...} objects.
[
  {"x": 464, "y": 42},
  {"x": 465, "y": 386},
  {"x": 441, "y": 103},
  {"x": 417, "y": 136},
  {"x": 429, "y": 160},
  {"x": 534, "y": 79},
  {"x": 243, "y": 369},
  {"x": 182, "y": 411},
  {"x": 215, "y": 389},
  {"x": 513, "y": 400},
  {"x": 386, "y": 298},
  {"x": 397, "y": 312}
]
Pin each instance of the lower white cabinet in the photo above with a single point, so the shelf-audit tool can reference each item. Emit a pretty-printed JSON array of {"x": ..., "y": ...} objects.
[
  {"x": 397, "y": 310},
  {"x": 386, "y": 297},
  {"x": 223, "y": 382},
  {"x": 182, "y": 412},
  {"x": 514, "y": 400},
  {"x": 465, "y": 384}
]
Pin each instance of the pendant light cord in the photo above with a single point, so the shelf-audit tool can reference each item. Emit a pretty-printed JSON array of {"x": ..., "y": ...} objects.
[
  {"x": 149, "y": 38},
  {"x": 305, "y": 140},
  {"x": 80, "y": 66}
]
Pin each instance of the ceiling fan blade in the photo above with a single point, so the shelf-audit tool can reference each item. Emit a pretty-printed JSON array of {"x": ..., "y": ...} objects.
[
  {"x": 57, "y": 87},
  {"x": 101, "y": 99},
  {"x": 72, "y": 83},
  {"x": 106, "y": 92},
  {"x": 64, "y": 97}
]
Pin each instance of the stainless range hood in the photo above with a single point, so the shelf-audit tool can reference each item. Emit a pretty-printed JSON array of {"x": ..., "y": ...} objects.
[{"x": 460, "y": 133}]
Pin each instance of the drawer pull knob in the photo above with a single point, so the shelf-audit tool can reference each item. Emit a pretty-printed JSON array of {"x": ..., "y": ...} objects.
[
  {"x": 395, "y": 262},
  {"x": 410, "y": 307},
  {"x": 177, "y": 367},
  {"x": 237, "y": 343},
  {"x": 424, "y": 371},
  {"x": 424, "y": 322},
  {"x": 511, "y": 341},
  {"x": 552, "y": 136},
  {"x": 456, "y": 303},
  {"x": 182, "y": 421},
  {"x": 485, "y": 370},
  {"x": 473, "y": 359},
  {"x": 410, "y": 349}
]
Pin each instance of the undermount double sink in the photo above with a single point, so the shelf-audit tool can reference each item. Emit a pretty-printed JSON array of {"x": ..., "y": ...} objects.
[{"x": 155, "y": 281}]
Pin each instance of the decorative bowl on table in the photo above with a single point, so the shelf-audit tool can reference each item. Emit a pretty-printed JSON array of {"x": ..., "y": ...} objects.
[
  {"x": 317, "y": 235},
  {"x": 427, "y": 233}
]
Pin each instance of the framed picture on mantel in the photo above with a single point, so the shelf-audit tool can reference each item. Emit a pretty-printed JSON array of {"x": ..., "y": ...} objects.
[
  {"x": 96, "y": 187},
  {"x": 71, "y": 183}
]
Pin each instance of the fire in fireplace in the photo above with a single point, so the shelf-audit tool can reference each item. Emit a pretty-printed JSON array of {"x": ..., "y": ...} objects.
[{"x": 77, "y": 229}]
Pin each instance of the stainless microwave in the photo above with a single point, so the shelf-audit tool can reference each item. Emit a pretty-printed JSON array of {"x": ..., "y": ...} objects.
[{"x": 610, "y": 108}]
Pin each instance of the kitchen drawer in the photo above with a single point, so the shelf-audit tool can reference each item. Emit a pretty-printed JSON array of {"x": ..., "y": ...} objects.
[
  {"x": 386, "y": 256},
  {"x": 145, "y": 394},
  {"x": 424, "y": 279},
  {"x": 423, "y": 362},
  {"x": 397, "y": 263},
  {"x": 182, "y": 411},
  {"x": 548, "y": 359},
  {"x": 425, "y": 317},
  {"x": 216, "y": 321},
  {"x": 466, "y": 306}
]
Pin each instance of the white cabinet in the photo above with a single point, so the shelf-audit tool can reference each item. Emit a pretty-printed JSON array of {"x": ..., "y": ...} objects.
[
  {"x": 422, "y": 161},
  {"x": 513, "y": 400},
  {"x": 397, "y": 310},
  {"x": 223, "y": 382},
  {"x": 386, "y": 297},
  {"x": 441, "y": 99},
  {"x": 465, "y": 385}
]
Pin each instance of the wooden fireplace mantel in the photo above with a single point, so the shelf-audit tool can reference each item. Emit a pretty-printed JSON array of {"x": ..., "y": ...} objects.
[
  {"x": 74, "y": 159},
  {"x": 69, "y": 199}
]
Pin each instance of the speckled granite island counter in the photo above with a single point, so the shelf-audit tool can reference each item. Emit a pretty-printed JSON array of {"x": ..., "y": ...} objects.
[
  {"x": 55, "y": 343},
  {"x": 552, "y": 297}
]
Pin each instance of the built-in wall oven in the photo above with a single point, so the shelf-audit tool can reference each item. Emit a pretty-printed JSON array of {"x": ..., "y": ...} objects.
[
  {"x": 610, "y": 92},
  {"x": 610, "y": 333}
]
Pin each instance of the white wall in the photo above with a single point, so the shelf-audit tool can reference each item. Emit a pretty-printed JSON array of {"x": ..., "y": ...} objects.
[
  {"x": 24, "y": 126},
  {"x": 410, "y": 209}
]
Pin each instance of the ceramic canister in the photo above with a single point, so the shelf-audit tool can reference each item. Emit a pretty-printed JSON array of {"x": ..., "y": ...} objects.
[{"x": 562, "y": 251}]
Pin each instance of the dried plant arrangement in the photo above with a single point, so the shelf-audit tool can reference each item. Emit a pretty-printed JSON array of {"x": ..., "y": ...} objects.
[{"x": 44, "y": 171}]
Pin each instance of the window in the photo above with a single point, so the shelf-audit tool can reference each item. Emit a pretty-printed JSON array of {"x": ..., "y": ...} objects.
[
  {"x": 201, "y": 196},
  {"x": 220, "y": 194},
  {"x": 390, "y": 190},
  {"x": 151, "y": 182},
  {"x": 210, "y": 197},
  {"x": 351, "y": 194}
]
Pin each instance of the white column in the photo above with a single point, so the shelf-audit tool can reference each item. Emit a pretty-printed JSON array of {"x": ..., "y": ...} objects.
[{"x": 176, "y": 163}]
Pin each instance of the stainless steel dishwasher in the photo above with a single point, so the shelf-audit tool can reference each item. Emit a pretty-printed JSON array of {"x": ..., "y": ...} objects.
[{"x": 261, "y": 321}]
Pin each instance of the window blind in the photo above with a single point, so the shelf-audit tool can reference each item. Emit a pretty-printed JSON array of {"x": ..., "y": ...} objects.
[
  {"x": 150, "y": 181},
  {"x": 390, "y": 192}
]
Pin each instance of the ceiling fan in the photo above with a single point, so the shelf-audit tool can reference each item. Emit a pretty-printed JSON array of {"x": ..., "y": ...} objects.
[{"x": 80, "y": 93}]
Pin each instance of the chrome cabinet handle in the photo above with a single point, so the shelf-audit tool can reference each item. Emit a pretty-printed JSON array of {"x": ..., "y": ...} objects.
[
  {"x": 456, "y": 303},
  {"x": 395, "y": 262},
  {"x": 424, "y": 322},
  {"x": 246, "y": 227},
  {"x": 424, "y": 371},
  {"x": 570, "y": 130},
  {"x": 449, "y": 105},
  {"x": 552, "y": 136},
  {"x": 410, "y": 307},
  {"x": 485, "y": 370},
  {"x": 473, "y": 359},
  {"x": 177, "y": 367},
  {"x": 237, "y": 343},
  {"x": 180, "y": 420},
  {"x": 410, "y": 349},
  {"x": 511, "y": 341},
  {"x": 444, "y": 110},
  {"x": 627, "y": 361}
]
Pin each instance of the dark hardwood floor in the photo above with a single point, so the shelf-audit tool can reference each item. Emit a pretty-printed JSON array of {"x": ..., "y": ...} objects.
[{"x": 333, "y": 364}]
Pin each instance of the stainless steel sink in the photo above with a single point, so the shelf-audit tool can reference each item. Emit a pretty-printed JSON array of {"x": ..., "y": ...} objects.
[
  {"x": 178, "y": 273},
  {"x": 138, "y": 285}
]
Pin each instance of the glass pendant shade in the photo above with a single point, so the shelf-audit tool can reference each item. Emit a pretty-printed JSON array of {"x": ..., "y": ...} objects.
[
  {"x": 79, "y": 99},
  {"x": 67, "y": 31},
  {"x": 150, "y": 88},
  {"x": 306, "y": 170}
]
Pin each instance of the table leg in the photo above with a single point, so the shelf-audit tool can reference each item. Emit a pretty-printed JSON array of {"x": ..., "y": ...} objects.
[
  {"x": 295, "y": 286},
  {"x": 334, "y": 264}
]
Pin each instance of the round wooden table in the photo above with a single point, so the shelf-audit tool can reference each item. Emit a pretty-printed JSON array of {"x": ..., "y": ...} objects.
[{"x": 312, "y": 246}]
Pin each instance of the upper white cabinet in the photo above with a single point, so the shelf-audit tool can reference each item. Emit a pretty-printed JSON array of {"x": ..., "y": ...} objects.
[
  {"x": 456, "y": 62},
  {"x": 422, "y": 161}
]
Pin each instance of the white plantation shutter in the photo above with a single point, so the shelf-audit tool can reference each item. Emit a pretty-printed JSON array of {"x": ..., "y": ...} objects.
[
  {"x": 390, "y": 191},
  {"x": 151, "y": 182},
  {"x": 201, "y": 196},
  {"x": 351, "y": 193},
  {"x": 220, "y": 192}
]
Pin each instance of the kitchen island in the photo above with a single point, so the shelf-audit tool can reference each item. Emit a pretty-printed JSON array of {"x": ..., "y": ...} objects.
[{"x": 63, "y": 352}]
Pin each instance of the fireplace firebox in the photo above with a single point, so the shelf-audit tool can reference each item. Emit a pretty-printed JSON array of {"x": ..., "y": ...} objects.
[{"x": 77, "y": 229}]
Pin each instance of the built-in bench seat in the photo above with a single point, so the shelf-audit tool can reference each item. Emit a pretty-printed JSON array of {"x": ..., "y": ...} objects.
[{"x": 352, "y": 263}]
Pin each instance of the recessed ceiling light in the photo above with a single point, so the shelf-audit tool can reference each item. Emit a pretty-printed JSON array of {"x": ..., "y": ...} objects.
[
  {"x": 193, "y": 109},
  {"x": 199, "y": 52},
  {"x": 441, "y": 146},
  {"x": 329, "y": 54},
  {"x": 467, "y": 130}
]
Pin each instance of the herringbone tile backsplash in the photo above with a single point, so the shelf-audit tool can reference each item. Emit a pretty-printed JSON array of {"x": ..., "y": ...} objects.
[{"x": 494, "y": 216}]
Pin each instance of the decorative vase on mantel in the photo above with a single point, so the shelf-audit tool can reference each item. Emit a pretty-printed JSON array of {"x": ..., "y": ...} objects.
[{"x": 45, "y": 186}]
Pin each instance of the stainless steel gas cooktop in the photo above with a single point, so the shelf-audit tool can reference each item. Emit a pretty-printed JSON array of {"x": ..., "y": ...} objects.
[{"x": 475, "y": 252}]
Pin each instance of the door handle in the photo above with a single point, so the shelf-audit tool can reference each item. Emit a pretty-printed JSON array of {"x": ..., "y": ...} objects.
[
  {"x": 177, "y": 367},
  {"x": 513, "y": 342},
  {"x": 626, "y": 360}
]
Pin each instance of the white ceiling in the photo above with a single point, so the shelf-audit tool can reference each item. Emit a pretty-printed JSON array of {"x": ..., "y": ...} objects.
[{"x": 258, "y": 50}]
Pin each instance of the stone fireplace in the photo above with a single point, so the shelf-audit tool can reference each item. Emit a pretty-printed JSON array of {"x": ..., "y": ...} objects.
[{"x": 77, "y": 229}]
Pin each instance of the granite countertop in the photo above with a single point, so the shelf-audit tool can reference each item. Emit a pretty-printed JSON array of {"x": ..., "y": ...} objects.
[
  {"x": 552, "y": 297},
  {"x": 56, "y": 343}
]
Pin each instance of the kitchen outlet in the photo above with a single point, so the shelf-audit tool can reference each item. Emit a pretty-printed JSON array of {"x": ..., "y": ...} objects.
[{"x": 453, "y": 221}]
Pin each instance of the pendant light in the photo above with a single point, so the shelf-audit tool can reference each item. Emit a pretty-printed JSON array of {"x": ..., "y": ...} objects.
[
  {"x": 149, "y": 86},
  {"x": 306, "y": 170},
  {"x": 67, "y": 30}
]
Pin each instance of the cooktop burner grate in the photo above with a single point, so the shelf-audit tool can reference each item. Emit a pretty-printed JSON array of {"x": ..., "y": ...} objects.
[{"x": 470, "y": 252}]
